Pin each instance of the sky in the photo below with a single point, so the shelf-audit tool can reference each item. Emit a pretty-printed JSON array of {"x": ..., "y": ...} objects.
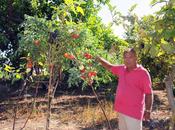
[{"x": 143, "y": 8}]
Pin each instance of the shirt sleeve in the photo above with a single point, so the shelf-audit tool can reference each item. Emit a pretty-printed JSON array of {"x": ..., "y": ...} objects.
[
  {"x": 146, "y": 82},
  {"x": 116, "y": 70}
]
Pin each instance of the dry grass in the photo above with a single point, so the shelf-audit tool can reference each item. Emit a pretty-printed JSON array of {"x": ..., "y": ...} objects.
[
  {"x": 93, "y": 114},
  {"x": 88, "y": 115},
  {"x": 73, "y": 112},
  {"x": 68, "y": 113}
]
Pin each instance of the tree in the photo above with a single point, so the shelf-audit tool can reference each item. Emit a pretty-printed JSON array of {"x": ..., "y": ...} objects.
[{"x": 12, "y": 15}]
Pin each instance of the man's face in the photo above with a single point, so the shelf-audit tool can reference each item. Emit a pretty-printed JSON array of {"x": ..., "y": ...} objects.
[{"x": 130, "y": 60}]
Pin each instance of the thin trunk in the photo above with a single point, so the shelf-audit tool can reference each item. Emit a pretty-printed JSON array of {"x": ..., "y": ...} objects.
[
  {"x": 50, "y": 90},
  {"x": 109, "y": 125},
  {"x": 14, "y": 118},
  {"x": 33, "y": 107},
  {"x": 16, "y": 106},
  {"x": 10, "y": 8},
  {"x": 169, "y": 87},
  {"x": 58, "y": 80}
]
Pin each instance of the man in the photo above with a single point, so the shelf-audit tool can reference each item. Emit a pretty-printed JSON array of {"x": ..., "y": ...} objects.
[{"x": 134, "y": 97}]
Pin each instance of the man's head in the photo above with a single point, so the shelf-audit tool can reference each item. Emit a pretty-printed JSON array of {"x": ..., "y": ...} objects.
[{"x": 130, "y": 58}]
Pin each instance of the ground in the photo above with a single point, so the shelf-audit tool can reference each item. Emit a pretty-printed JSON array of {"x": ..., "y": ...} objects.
[{"x": 73, "y": 110}]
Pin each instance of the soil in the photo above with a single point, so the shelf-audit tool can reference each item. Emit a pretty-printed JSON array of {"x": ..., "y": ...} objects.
[{"x": 66, "y": 108}]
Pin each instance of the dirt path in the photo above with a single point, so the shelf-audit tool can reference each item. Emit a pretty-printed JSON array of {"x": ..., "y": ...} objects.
[{"x": 76, "y": 112}]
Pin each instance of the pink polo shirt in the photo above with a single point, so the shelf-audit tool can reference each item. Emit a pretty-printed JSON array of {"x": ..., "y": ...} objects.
[{"x": 131, "y": 90}]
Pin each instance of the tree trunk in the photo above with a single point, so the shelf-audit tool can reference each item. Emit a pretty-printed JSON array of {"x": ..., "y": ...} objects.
[
  {"x": 169, "y": 87},
  {"x": 50, "y": 90}
]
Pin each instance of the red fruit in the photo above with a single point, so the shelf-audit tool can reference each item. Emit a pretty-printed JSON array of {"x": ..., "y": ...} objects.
[
  {"x": 66, "y": 55},
  {"x": 69, "y": 56},
  {"x": 83, "y": 77},
  {"x": 87, "y": 55},
  {"x": 75, "y": 36},
  {"x": 83, "y": 70},
  {"x": 29, "y": 63},
  {"x": 36, "y": 42},
  {"x": 91, "y": 74}
]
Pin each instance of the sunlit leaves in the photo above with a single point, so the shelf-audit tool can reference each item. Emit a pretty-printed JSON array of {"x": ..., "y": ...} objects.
[
  {"x": 154, "y": 50},
  {"x": 34, "y": 4},
  {"x": 74, "y": 6},
  {"x": 132, "y": 7},
  {"x": 10, "y": 73},
  {"x": 8, "y": 68},
  {"x": 154, "y": 2},
  {"x": 79, "y": 9},
  {"x": 69, "y": 2},
  {"x": 166, "y": 46}
]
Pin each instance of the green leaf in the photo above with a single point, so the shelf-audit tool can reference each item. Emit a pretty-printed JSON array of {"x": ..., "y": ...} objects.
[
  {"x": 1, "y": 74},
  {"x": 79, "y": 9},
  {"x": 69, "y": 2},
  {"x": 132, "y": 7},
  {"x": 154, "y": 51},
  {"x": 34, "y": 4},
  {"x": 73, "y": 9},
  {"x": 153, "y": 2},
  {"x": 18, "y": 76},
  {"x": 8, "y": 68},
  {"x": 40, "y": 63},
  {"x": 167, "y": 47},
  {"x": 167, "y": 33}
]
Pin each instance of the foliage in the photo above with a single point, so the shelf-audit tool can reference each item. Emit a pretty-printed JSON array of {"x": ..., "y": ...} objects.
[
  {"x": 79, "y": 28},
  {"x": 43, "y": 18},
  {"x": 153, "y": 38},
  {"x": 159, "y": 35},
  {"x": 73, "y": 41},
  {"x": 12, "y": 14},
  {"x": 10, "y": 73}
]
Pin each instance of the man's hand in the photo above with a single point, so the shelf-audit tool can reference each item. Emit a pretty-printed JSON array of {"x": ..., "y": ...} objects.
[
  {"x": 147, "y": 115},
  {"x": 148, "y": 106}
]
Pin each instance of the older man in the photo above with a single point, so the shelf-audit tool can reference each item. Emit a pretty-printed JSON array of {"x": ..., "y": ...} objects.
[{"x": 134, "y": 97}]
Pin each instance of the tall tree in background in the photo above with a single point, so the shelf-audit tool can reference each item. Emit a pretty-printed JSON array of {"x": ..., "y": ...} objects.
[{"x": 12, "y": 15}]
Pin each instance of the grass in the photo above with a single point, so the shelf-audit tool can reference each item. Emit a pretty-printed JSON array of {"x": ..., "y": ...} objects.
[
  {"x": 89, "y": 114},
  {"x": 82, "y": 112}
]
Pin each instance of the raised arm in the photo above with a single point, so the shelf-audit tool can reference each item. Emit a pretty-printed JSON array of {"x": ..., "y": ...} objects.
[{"x": 104, "y": 63}]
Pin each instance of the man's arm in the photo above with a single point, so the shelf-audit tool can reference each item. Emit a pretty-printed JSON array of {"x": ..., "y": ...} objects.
[
  {"x": 104, "y": 63},
  {"x": 148, "y": 106}
]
